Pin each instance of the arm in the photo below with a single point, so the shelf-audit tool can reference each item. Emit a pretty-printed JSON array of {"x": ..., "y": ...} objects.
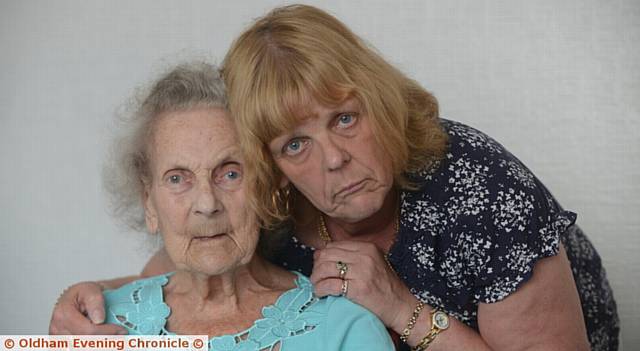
[
  {"x": 544, "y": 313},
  {"x": 375, "y": 286},
  {"x": 80, "y": 308}
]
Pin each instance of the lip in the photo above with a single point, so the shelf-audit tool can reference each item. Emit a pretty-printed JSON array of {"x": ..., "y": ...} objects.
[
  {"x": 209, "y": 237},
  {"x": 351, "y": 188}
]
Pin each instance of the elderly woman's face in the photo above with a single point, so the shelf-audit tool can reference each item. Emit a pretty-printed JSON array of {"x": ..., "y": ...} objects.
[
  {"x": 196, "y": 197},
  {"x": 334, "y": 160}
]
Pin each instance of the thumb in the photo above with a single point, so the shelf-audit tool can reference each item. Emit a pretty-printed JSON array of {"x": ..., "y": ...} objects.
[{"x": 93, "y": 304}]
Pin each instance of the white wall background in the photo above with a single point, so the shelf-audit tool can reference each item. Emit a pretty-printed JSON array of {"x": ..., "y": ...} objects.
[{"x": 557, "y": 82}]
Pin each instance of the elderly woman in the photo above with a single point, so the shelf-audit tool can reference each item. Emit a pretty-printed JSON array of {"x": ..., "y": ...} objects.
[
  {"x": 184, "y": 162},
  {"x": 447, "y": 237}
]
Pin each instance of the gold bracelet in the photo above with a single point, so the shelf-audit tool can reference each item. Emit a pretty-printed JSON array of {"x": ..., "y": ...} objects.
[
  {"x": 412, "y": 322},
  {"x": 439, "y": 322}
]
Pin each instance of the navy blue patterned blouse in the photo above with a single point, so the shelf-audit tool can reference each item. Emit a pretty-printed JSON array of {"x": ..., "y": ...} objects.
[{"x": 474, "y": 230}]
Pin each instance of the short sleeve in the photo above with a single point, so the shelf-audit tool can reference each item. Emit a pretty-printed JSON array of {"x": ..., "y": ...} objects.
[
  {"x": 477, "y": 224},
  {"x": 522, "y": 224},
  {"x": 350, "y": 326}
]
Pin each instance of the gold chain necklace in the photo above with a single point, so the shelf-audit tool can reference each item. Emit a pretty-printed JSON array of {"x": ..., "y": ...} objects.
[{"x": 326, "y": 238}]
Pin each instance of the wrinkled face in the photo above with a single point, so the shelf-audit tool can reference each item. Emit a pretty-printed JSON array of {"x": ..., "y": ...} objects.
[
  {"x": 196, "y": 197},
  {"x": 334, "y": 160}
]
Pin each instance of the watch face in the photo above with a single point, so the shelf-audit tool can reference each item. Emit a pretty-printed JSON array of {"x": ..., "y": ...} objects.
[{"x": 441, "y": 320}]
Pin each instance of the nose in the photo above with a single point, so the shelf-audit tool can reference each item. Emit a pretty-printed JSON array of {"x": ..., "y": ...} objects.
[
  {"x": 206, "y": 202},
  {"x": 335, "y": 154}
]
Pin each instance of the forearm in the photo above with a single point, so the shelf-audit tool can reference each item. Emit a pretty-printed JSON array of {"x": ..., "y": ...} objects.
[
  {"x": 457, "y": 337},
  {"x": 543, "y": 314}
]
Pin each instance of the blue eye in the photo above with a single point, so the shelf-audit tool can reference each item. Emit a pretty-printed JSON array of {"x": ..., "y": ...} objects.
[
  {"x": 346, "y": 120},
  {"x": 233, "y": 175},
  {"x": 294, "y": 147},
  {"x": 175, "y": 179},
  {"x": 229, "y": 176}
]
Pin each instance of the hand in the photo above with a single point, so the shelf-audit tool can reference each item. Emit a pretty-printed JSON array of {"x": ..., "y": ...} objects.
[
  {"x": 80, "y": 310},
  {"x": 371, "y": 282}
]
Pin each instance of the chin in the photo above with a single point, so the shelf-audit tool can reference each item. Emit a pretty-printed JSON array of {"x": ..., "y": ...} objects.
[{"x": 360, "y": 209}]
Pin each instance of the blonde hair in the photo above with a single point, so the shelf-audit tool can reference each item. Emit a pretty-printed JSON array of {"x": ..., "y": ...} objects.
[{"x": 299, "y": 53}]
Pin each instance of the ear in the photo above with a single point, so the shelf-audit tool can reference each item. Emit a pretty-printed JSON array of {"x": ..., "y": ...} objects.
[
  {"x": 150, "y": 214},
  {"x": 284, "y": 181}
]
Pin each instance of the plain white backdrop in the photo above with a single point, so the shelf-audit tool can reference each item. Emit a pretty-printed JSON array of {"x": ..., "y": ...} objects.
[{"x": 558, "y": 83}]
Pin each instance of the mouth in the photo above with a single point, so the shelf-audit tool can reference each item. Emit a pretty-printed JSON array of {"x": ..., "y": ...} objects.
[
  {"x": 351, "y": 188},
  {"x": 209, "y": 237}
]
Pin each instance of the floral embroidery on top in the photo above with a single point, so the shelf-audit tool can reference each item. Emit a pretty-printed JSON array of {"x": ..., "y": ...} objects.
[{"x": 144, "y": 312}]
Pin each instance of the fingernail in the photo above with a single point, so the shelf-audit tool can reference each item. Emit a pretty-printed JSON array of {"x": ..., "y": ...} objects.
[{"x": 96, "y": 316}]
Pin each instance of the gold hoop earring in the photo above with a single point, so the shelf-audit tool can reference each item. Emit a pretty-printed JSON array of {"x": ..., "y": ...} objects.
[{"x": 280, "y": 199}]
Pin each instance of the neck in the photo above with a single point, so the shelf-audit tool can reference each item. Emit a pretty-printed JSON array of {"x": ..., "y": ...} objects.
[
  {"x": 225, "y": 303},
  {"x": 230, "y": 288}
]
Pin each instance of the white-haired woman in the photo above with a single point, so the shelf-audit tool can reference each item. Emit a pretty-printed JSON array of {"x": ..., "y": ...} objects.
[{"x": 182, "y": 166}]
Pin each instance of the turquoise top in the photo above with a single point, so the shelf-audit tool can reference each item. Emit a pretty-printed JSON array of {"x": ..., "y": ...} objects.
[{"x": 296, "y": 321}]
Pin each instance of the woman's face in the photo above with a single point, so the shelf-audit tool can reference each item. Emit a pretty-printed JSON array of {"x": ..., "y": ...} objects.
[
  {"x": 332, "y": 157},
  {"x": 196, "y": 197}
]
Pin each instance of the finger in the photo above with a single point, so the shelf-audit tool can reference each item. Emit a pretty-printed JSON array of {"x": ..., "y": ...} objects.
[
  {"x": 327, "y": 269},
  {"x": 335, "y": 254},
  {"x": 53, "y": 330},
  {"x": 108, "y": 329},
  {"x": 59, "y": 332},
  {"x": 70, "y": 318},
  {"x": 93, "y": 304},
  {"x": 79, "y": 324},
  {"x": 97, "y": 329},
  {"x": 330, "y": 286}
]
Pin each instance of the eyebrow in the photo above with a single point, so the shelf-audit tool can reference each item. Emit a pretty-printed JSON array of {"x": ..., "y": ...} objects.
[{"x": 233, "y": 156}]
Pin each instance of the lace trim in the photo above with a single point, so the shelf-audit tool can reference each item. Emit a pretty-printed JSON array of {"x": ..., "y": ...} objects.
[{"x": 146, "y": 313}]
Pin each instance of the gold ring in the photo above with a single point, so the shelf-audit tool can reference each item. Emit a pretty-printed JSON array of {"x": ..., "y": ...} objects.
[
  {"x": 344, "y": 288},
  {"x": 342, "y": 269}
]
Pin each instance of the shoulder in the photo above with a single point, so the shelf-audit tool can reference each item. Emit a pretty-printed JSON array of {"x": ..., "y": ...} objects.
[
  {"x": 138, "y": 306},
  {"x": 462, "y": 136},
  {"x": 339, "y": 323},
  {"x": 134, "y": 287},
  {"x": 479, "y": 217},
  {"x": 478, "y": 179},
  {"x": 350, "y": 326},
  {"x": 472, "y": 152}
]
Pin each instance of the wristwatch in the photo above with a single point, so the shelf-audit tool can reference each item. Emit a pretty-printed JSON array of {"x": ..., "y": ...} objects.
[
  {"x": 439, "y": 323},
  {"x": 439, "y": 320}
]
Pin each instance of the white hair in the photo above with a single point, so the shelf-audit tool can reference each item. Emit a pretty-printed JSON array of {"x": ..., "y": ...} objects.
[{"x": 186, "y": 86}]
